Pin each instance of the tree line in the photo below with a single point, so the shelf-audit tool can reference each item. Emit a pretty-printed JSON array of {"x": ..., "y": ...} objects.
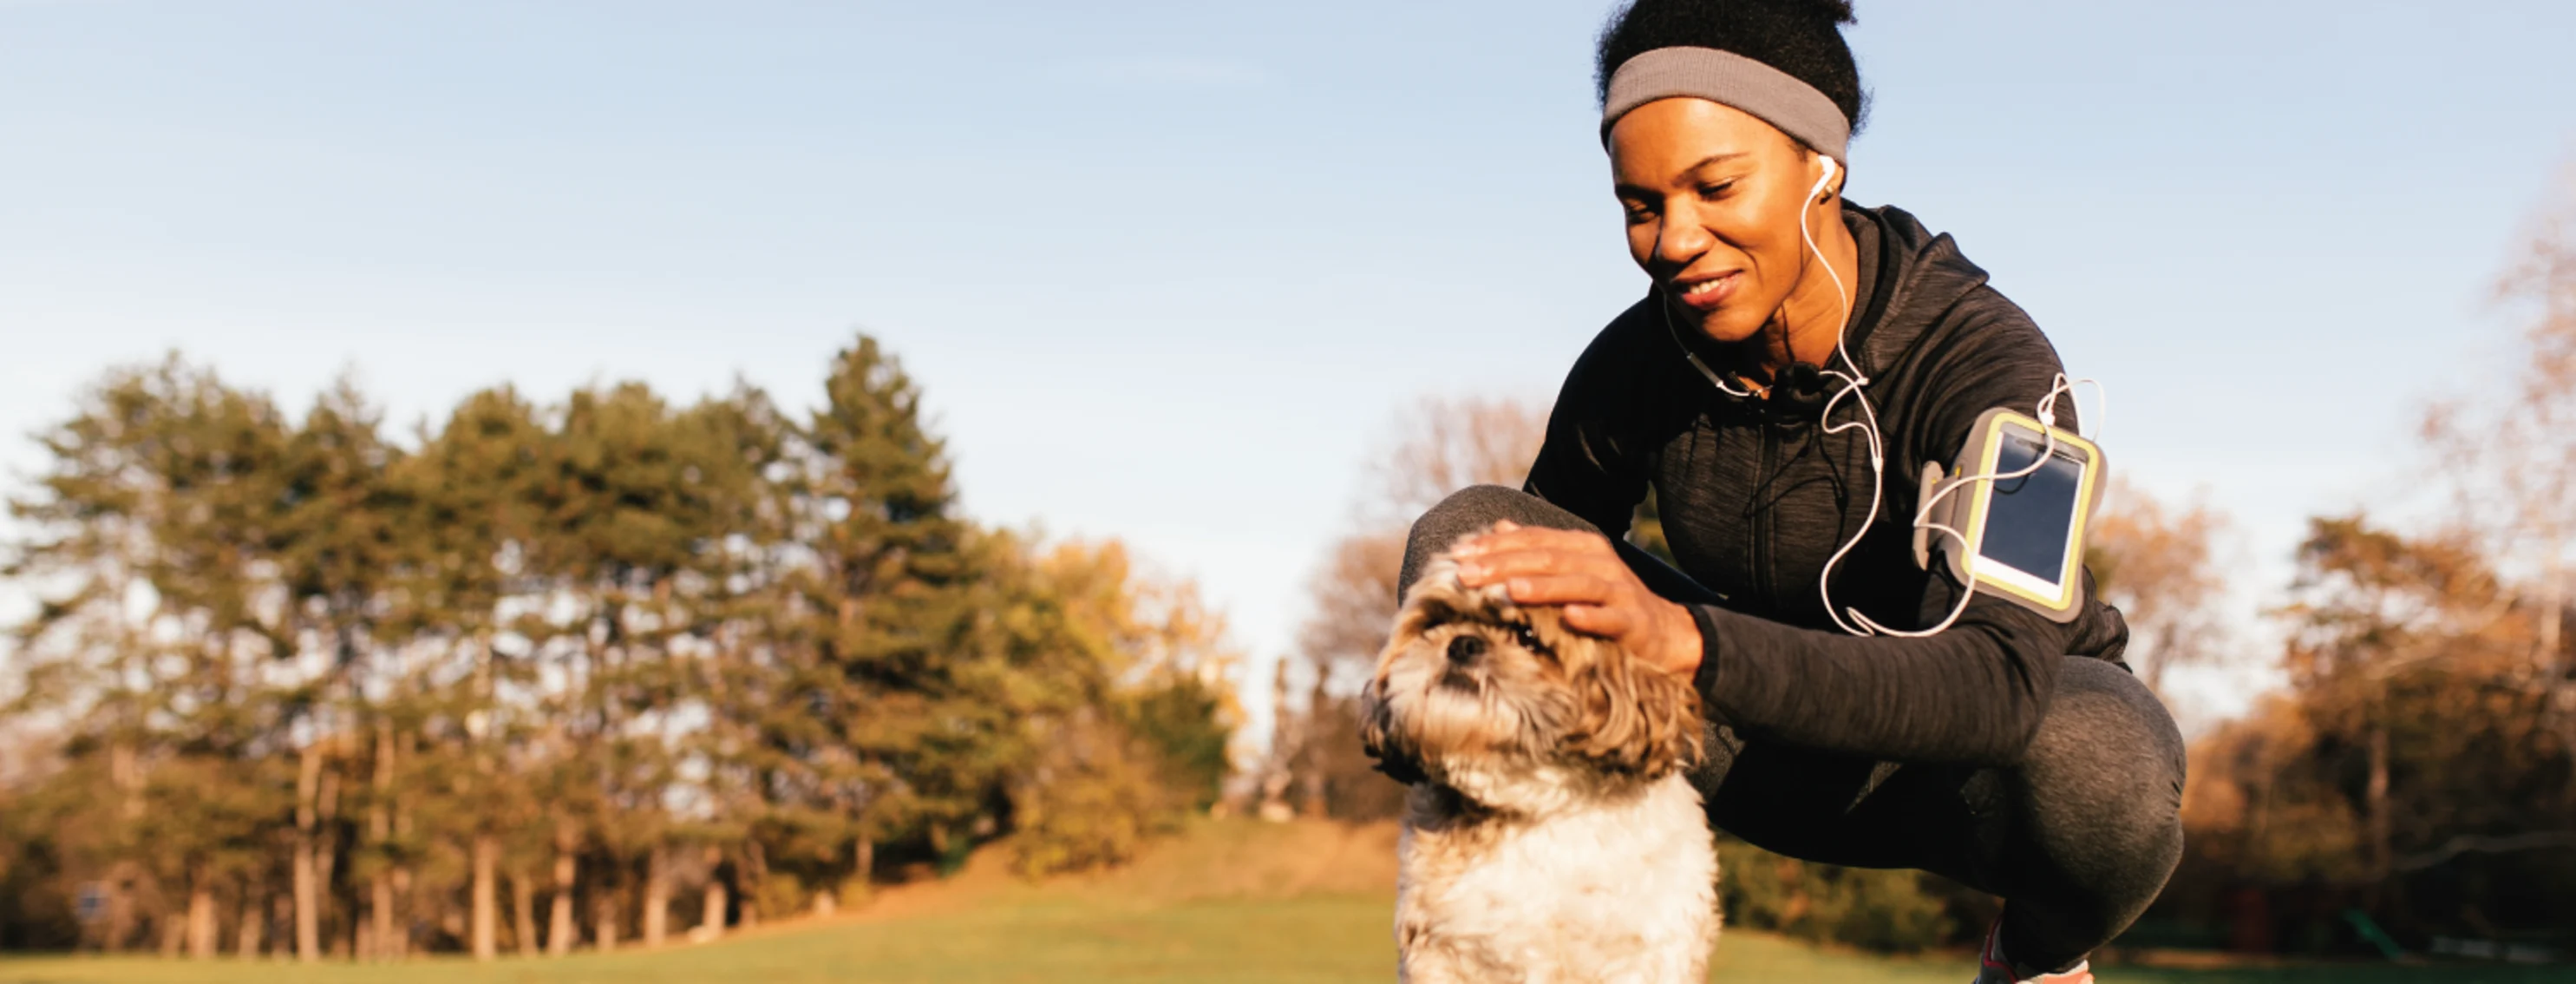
[
  {"x": 2413, "y": 785},
  {"x": 526, "y": 677}
]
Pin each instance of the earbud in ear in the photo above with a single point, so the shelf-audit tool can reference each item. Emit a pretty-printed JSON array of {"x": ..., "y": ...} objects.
[{"x": 1826, "y": 179}]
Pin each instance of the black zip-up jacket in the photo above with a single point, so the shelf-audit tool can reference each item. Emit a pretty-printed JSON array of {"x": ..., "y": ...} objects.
[{"x": 1754, "y": 498}]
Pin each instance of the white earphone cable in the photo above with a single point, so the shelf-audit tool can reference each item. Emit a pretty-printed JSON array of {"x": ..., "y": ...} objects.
[
  {"x": 1860, "y": 624},
  {"x": 1867, "y": 423},
  {"x": 2047, "y": 409}
]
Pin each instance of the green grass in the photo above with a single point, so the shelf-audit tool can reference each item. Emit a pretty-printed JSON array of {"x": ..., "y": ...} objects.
[
  {"x": 1305, "y": 940},
  {"x": 1230, "y": 902}
]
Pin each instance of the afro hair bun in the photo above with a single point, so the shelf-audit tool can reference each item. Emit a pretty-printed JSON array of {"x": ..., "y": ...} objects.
[
  {"x": 1803, "y": 38},
  {"x": 1839, "y": 10}
]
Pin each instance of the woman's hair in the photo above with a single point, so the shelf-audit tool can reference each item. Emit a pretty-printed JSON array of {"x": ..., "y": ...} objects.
[{"x": 1801, "y": 37}]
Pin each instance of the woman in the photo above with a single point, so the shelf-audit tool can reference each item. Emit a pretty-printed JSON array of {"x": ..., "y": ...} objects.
[{"x": 2006, "y": 751}]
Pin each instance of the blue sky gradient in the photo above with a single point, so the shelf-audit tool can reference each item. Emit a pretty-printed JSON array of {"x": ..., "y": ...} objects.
[{"x": 1167, "y": 270}]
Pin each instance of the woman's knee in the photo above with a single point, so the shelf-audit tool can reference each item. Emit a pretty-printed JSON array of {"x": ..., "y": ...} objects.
[
  {"x": 1470, "y": 510},
  {"x": 2102, "y": 710},
  {"x": 2099, "y": 804},
  {"x": 2102, "y": 779}
]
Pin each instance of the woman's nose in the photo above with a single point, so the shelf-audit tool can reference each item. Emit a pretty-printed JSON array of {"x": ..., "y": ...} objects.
[{"x": 1679, "y": 239}]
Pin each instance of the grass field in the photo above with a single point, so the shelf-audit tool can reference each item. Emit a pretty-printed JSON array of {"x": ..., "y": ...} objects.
[{"x": 1228, "y": 906}]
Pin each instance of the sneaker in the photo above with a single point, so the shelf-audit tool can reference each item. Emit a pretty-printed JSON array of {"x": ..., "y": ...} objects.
[{"x": 1991, "y": 968}]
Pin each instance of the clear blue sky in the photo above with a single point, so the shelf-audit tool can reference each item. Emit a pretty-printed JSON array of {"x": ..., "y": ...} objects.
[{"x": 1167, "y": 269}]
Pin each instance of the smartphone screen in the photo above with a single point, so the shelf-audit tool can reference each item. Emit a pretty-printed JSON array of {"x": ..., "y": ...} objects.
[{"x": 2031, "y": 519}]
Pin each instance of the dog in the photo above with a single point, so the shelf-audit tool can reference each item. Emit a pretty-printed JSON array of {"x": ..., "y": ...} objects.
[{"x": 1549, "y": 836}]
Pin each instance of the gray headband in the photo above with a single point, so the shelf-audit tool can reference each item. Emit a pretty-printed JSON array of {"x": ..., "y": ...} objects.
[{"x": 1776, "y": 97}]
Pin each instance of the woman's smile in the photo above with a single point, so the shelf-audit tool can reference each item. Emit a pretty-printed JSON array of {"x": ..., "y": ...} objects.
[
  {"x": 1706, "y": 292},
  {"x": 1714, "y": 201}
]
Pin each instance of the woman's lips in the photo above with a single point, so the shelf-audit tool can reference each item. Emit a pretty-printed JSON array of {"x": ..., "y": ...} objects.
[{"x": 1711, "y": 293}]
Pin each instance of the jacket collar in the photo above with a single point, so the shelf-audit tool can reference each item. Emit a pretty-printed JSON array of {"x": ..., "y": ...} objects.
[{"x": 1909, "y": 278}]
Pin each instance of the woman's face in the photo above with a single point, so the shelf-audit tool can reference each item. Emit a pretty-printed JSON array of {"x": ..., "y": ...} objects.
[{"x": 1712, "y": 195}]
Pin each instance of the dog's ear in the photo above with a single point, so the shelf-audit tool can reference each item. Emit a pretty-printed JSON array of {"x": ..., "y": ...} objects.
[
  {"x": 1433, "y": 599},
  {"x": 1635, "y": 720},
  {"x": 1377, "y": 737}
]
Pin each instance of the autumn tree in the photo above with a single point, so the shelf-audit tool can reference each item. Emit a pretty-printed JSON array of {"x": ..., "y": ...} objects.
[
  {"x": 1439, "y": 445},
  {"x": 2161, "y": 565},
  {"x": 2506, "y": 455},
  {"x": 2421, "y": 761},
  {"x": 1129, "y": 728},
  {"x": 2406, "y": 768}
]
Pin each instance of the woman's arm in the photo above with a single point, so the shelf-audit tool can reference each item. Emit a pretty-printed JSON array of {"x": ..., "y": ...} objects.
[
  {"x": 1976, "y": 691},
  {"x": 1592, "y": 462},
  {"x": 1973, "y": 693}
]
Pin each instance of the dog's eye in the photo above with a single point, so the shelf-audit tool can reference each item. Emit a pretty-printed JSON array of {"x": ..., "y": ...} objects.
[{"x": 1528, "y": 638}]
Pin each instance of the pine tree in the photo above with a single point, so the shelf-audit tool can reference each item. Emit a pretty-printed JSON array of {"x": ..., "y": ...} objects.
[
  {"x": 734, "y": 444},
  {"x": 638, "y": 501},
  {"x": 875, "y": 733},
  {"x": 472, "y": 492},
  {"x": 160, "y": 517},
  {"x": 339, "y": 548}
]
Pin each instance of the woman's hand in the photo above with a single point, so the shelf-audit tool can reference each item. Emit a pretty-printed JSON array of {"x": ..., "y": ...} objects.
[{"x": 1581, "y": 571}]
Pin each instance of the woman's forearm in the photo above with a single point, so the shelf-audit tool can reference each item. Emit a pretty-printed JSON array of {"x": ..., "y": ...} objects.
[{"x": 1972, "y": 694}]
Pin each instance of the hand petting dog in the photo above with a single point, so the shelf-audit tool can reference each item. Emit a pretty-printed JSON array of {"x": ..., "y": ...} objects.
[{"x": 1601, "y": 596}]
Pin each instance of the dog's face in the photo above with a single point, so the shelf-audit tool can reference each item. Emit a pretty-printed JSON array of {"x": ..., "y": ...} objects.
[{"x": 1473, "y": 685}]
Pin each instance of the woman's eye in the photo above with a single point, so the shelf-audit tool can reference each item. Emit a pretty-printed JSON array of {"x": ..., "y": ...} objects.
[{"x": 1717, "y": 190}]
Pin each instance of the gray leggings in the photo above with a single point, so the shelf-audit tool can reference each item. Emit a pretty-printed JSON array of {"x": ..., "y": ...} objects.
[{"x": 2078, "y": 837}]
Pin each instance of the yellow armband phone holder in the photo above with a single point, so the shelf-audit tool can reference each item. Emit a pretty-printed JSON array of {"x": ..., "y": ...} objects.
[{"x": 2009, "y": 519}]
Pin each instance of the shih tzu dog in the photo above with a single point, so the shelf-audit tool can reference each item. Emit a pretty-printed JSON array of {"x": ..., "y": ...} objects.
[{"x": 1549, "y": 836}]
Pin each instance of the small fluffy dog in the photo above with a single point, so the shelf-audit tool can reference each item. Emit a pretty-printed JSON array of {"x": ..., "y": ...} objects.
[{"x": 1549, "y": 837}]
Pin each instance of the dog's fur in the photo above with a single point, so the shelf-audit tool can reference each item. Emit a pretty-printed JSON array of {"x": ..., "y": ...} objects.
[{"x": 1549, "y": 837}]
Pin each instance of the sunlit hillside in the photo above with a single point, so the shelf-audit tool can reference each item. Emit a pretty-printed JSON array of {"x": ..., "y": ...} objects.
[{"x": 1238, "y": 902}]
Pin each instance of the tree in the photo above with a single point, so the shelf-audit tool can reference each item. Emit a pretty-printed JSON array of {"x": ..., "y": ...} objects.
[
  {"x": 1439, "y": 446},
  {"x": 473, "y": 494},
  {"x": 640, "y": 502},
  {"x": 888, "y": 735},
  {"x": 2507, "y": 456},
  {"x": 2406, "y": 768},
  {"x": 1125, "y": 718},
  {"x": 731, "y": 445},
  {"x": 2376, "y": 609},
  {"x": 159, "y": 522},
  {"x": 339, "y": 544},
  {"x": 2421, "y": 761},
  {"x": 1443, "y": 444},
  {"x": 2158, "y": 565}
]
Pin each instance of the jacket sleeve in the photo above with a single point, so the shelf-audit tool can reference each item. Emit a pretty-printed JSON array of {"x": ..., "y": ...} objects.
[
  {"x": 1972, "y": 694},
  {"x": 1592, "y": 462},
  {"x": 1975, "y": 692}
]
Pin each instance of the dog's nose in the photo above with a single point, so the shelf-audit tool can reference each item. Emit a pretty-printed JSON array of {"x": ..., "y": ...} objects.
[{"x": 1464, "y": 649}]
